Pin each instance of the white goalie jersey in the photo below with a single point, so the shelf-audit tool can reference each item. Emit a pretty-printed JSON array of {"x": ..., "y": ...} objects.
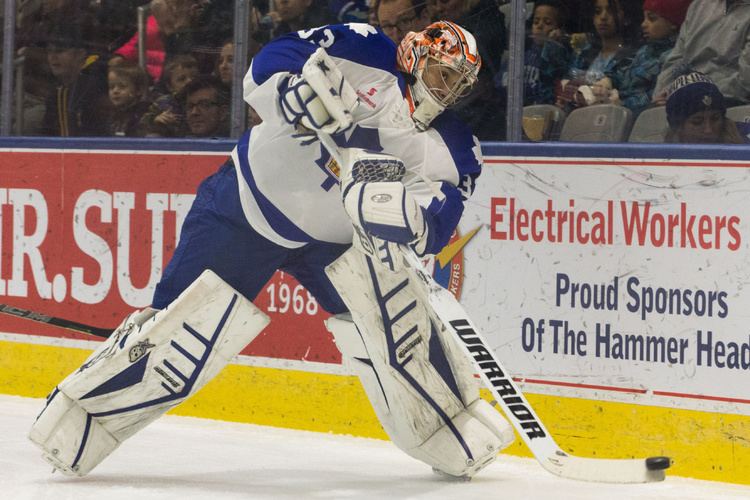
[{"x": 288, "y": 181}]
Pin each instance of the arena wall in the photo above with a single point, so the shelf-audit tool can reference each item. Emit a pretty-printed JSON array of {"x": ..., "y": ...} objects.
[{"x": 611, "y": 281}]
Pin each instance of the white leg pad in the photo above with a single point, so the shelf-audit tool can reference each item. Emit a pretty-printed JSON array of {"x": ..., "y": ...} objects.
[
  {"x": 445, "y": 453},
  {"x": 142, "y": 371},
  {"x": 427, "y": 402},
  {"x": 62, "y": 431}
]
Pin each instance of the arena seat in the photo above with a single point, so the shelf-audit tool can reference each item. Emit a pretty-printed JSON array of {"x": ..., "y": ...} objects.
[
  {"x": 739, "y": 113},
  {"x": 650, "y": 126},
  {"x": 597, "y": 123},
  {"x": 554, "y": 117}
]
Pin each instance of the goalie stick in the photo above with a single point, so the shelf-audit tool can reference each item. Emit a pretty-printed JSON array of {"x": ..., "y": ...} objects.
[
  {"x": 446, "y": 308},
  {"x": 52, "y": 320}
]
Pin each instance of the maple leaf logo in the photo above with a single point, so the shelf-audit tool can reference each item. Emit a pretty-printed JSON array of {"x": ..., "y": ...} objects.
[{"x": 362, "y": 29}]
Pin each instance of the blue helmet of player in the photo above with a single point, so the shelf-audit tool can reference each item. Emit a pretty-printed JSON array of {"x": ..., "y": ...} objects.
[{"x": 444, "y": 62}]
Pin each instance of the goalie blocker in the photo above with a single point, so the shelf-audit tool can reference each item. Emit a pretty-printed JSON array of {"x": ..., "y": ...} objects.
[
  {"x": 421, "y": 386},
  {"x": 152, "y": 362}
]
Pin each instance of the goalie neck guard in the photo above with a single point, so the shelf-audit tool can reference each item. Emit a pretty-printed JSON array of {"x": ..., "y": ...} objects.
[{"x": 444, "y": 62}]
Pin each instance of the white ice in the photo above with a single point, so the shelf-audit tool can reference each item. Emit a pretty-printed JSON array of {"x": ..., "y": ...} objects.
[{"x": 189, "y": 458}]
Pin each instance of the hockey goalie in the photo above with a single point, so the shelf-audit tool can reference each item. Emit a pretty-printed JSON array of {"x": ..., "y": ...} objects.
[{"x": 281, "y": 202}]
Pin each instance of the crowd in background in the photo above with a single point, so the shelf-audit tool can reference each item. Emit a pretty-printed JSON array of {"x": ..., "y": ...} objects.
[{"x": 81, "y": 75}]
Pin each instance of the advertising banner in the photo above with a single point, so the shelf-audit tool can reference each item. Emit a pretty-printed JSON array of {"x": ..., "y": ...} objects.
[
  {"x": 85, "y": 236},
  {"x": 621, "y": 280},
  {"x": 624, "y": 280}
]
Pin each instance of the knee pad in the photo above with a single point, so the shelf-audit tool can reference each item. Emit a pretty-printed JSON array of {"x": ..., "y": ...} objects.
[{"x": 151, "y": 363}]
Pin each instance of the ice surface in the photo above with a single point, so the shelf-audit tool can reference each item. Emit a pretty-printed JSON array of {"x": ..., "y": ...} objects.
[{"x": 188, "y": 458}]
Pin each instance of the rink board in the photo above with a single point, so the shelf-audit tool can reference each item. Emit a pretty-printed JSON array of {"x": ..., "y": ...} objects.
[{"x": 85, "y": 234}]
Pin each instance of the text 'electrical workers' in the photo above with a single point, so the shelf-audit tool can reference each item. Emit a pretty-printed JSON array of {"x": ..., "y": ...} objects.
[{"x": 632, "y": 223}]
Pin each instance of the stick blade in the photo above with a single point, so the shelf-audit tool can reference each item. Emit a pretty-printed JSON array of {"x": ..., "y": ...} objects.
[{"x": 637, "y": 470}]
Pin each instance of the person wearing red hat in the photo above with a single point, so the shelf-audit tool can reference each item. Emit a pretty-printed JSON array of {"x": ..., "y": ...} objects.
[
  {"x": 715, "y": 40},
  {"x": 671, "y": 11},
  {"x": 633, "y": 86}
]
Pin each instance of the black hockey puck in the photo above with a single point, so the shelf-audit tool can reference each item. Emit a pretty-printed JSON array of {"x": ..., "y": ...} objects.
[{"x": 658, "y": 463}]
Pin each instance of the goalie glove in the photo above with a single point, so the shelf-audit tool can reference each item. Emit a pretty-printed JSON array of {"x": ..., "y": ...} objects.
[
  {"x": 319, "y": 99},
  {"x": 300, "y": 105}
]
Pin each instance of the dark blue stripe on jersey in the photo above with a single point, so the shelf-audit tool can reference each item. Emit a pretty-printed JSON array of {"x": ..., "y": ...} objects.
[
  {"x": 290, "y": 52},
  {"x": 442, "y": 217},
  {"x": 457, "y": 136},
  {"x": 276, "y": 219}
]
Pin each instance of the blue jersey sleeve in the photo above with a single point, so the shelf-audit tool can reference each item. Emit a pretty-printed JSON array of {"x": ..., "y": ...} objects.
[
  {"x": 442, "y": 215},
  {"x": 357, "y": 42}
]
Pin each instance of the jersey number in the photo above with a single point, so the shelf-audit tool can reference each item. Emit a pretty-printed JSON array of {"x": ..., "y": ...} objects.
[{"x": 325, "y": 41}]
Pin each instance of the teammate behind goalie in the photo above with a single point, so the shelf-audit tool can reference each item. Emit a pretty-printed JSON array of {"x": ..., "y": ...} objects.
[{"x": 277, "y": 205}]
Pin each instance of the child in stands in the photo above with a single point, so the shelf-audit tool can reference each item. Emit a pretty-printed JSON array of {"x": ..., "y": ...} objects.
[
  {"x": 165, "y": 117},
  {"x": 128, "y": 85},
  {"x": 547, "y": 55},
  {"x": 633, "y": 86},
  {"x": 611, "y": 47}
]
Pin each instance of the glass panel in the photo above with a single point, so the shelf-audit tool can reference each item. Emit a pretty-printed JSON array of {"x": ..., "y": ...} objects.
[
  {"x": 80, "y": 70},
  {"x": 608, "y": 67},
  {"x": 84, "y": 72},
  {"x": 597, "y": 79}
]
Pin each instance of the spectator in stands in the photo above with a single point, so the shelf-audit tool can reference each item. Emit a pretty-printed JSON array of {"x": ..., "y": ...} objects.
[
  {"x": 215, "y": 21},
  {"x": 349, "y": 11},
  {"x": 165, "y": 116},
  {"x": 295, "y": 15},
  {"x": 484, "y": 109},
  {"x": 37, "y": 88},
  {"x": 78, "y": 105},
  {"x": 211, "y": 22},
  {"x": 37, "y": 19},
  {"x": 225, "y": 64},
  {"x": 485, "y": 21},
  {"x": 611, "y": 47},
  {"x": 633, "y": 86},
  {"x": 398, "y": 17},
  {"x": 696, "y": 113},
  {"x": 715, "y": 40},
  {"x": 35, "y": 22},
  {"x": 547, "y": 54},
  {"x": 207, "y": 107},
  {"x": 128, "y": 86},
  {"x": 167, "y": 18},
  {"x": 117, "y": 20}
]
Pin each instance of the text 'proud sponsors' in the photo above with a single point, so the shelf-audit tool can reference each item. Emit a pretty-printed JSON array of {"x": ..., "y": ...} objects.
[
  {"x": 604, "y": 341},
  {"x": 628, "y": 280},
  {"x": 86, "y": 236}
]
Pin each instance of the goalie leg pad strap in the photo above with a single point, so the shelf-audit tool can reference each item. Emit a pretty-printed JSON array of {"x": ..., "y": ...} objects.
[
  {"x": 143, "y": 370},
  {"x": 423, "y": 403}
]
